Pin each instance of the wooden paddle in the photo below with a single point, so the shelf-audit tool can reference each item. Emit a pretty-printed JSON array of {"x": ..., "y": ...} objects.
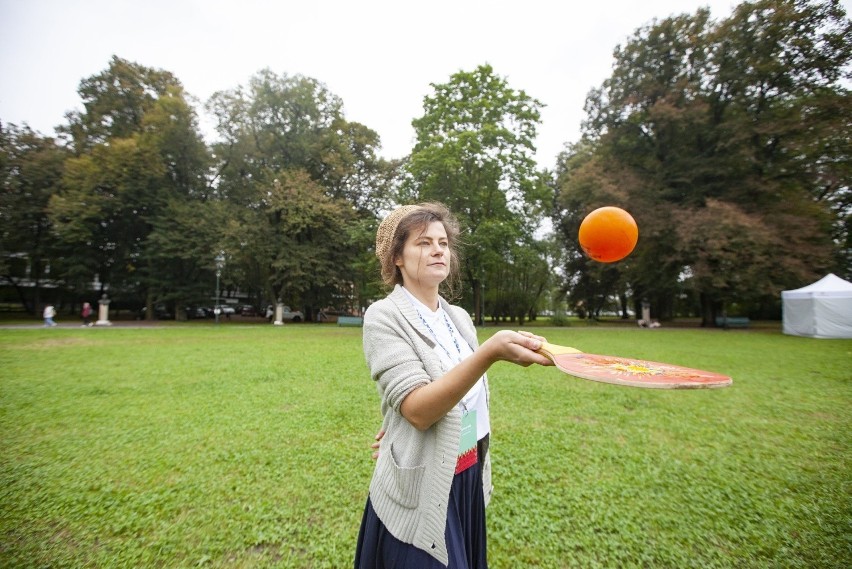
[{"x": 630, "y": 372}]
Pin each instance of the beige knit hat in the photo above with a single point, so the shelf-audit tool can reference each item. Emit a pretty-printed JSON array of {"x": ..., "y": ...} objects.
[{"x": 387, "y": 228}]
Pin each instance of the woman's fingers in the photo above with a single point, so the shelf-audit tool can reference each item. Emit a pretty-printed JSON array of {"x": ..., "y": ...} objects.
[
  {"x": 377, "y": 444},
  {"x": 531, "y": 335}
]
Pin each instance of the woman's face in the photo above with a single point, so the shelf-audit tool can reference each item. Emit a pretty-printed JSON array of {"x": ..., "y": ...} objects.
[{"x": 425, "y": 260}]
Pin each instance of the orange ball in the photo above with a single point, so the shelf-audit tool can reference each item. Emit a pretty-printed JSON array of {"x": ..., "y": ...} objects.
[{"x": 608, "y": 234}]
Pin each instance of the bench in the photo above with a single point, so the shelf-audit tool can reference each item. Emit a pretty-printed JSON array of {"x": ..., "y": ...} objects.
[
  {"x": 732, "y": 321},
  {"x": 350, "y": 321}
]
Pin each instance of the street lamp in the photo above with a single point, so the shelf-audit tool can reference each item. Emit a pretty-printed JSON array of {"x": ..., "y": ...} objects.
[
  {"x": 220, "y": 262},
  {"x": 482, "y": 303}
]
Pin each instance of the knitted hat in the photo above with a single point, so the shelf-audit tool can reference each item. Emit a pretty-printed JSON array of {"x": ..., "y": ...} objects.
[{"x": 387, "y": 228}]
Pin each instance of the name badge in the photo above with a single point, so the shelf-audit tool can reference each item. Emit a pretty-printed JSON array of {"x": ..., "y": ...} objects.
[{"x": 468, "y": 432}]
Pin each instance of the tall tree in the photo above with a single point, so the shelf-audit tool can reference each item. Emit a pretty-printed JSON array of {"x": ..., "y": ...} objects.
[
  {"x": 292, "y": 128},
  {"x": 708, "y": 130},
  {"x": 474, "y": 152},
  {"x": 104, "y": 211},
  {"x": 516, "y": 280},
  {"x": 31, "y": 170},
  {"x": 139, "y": 159},
  {"x": 174, "y": 264},
  {"x": 182, "y": 248},
  {"x": 115, "y": 102},
  {"x": 276, "y": 123},
  {"x": 293, "y": 242}
]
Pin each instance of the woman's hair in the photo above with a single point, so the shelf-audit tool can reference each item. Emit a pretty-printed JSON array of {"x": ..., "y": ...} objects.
[{"x": 416, "y": 221}]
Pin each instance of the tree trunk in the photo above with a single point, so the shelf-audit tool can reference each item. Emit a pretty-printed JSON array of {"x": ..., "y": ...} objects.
[
  {"x": 30, "y": 309},
  {"x": 708, "y": 311},
  {"x": 477, "y": 302},
  {"x": 149, "y": 306}
]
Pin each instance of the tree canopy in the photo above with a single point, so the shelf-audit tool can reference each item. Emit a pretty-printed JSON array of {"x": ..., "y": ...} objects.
[
  {"x": 475, "y": 143},
  {"x": 728, "y": 140},
  {"x": 723, "y": 140}
]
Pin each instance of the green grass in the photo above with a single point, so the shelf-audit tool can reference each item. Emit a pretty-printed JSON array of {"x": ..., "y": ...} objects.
[{"x": 240, "y": 446}]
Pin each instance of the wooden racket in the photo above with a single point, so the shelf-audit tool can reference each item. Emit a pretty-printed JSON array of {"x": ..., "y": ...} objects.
[{"x": 629, "y": 371}]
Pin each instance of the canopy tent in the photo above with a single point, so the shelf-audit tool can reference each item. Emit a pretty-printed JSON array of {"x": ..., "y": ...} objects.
[{"x": 820, "y": 310}]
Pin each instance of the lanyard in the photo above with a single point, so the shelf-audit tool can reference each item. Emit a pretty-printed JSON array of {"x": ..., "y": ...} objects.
[
  {"x": 457, "y": 359},
  {"x": 452, "y": 332},
  {"x": 450, "y": 329}
]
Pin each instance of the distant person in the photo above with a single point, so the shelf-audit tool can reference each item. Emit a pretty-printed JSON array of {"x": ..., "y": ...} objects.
[
  {"x": 86, "y": 314},
  {"x": 432, "y": 479},
  {"x": 48, "y": 314}
]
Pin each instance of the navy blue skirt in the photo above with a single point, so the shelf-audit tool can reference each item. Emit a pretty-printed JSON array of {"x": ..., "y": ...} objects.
[{"x": 465, "y": 533}]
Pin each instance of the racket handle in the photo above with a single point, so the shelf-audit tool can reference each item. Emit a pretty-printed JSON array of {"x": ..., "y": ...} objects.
[{"x": 554, "y": 350}]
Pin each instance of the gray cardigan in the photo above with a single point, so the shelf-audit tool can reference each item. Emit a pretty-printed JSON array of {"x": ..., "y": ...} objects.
[{"x": 415, "y": 469}]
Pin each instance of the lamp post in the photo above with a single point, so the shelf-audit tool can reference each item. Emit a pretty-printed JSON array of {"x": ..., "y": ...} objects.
[
  {"x": 482, "y": 307},
  {"x": 220, "y": 262}
]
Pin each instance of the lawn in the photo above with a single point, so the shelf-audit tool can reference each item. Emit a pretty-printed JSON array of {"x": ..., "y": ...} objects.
[{"x": 247, "y": 446}]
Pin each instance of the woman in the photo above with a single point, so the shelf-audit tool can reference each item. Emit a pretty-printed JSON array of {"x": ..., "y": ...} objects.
[
  {"x": 432, "y": 479},
  {"x": 86, "y": 314},
  {"x": 49, "y": 314}
]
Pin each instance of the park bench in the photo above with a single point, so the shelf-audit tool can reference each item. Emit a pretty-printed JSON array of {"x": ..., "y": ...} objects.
[
  {"x": 350, "y": 321},
  {"x": 732, "y": 321}
]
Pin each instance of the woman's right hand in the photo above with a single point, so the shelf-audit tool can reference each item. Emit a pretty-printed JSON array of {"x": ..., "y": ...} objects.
[{"x": 520, "y": 348}]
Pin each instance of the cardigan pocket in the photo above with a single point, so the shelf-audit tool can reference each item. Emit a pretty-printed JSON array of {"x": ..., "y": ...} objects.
[{"x": 402, "y": 484}]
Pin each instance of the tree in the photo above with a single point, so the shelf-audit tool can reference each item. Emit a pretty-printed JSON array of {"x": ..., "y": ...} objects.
[
  {"x": 104, "y": 211},
  {"x": 712, "y": 131},
  {"x": 182, "y": 247},
  {"x": 474, "y": 152},
  {"x": 115, "y": 103},
  {"x": 31, "y": 170},
  {"x": 515, "y": 284},
  {"x": 294, "y": 241},
  {"x": 586, "y": 179},
  {"x": 175, "y": 264},
  {"x": 274, "y": 124},
  {"x": 293, "y": 129},
  {"x": 139, "y": 158}
]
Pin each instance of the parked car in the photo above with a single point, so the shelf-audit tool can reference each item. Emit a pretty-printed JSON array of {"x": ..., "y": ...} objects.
[
  {"x": 287, "y": 316},
  {"x": 193, "y": 312},
  {"x": 160, "y": 313},
  {"x": 248, "y": 310},
  {"x": 225, "y": 310}
]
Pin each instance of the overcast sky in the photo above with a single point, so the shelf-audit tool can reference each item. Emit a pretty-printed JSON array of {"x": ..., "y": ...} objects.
[{"x": 379, "y": 56}]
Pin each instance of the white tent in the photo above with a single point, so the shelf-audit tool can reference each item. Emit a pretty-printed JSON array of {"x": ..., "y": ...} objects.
[{"x": 820, "y": 310}]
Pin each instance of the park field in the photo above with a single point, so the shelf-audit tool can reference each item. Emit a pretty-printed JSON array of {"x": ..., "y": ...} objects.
[{"x": 248, "y": 446}]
